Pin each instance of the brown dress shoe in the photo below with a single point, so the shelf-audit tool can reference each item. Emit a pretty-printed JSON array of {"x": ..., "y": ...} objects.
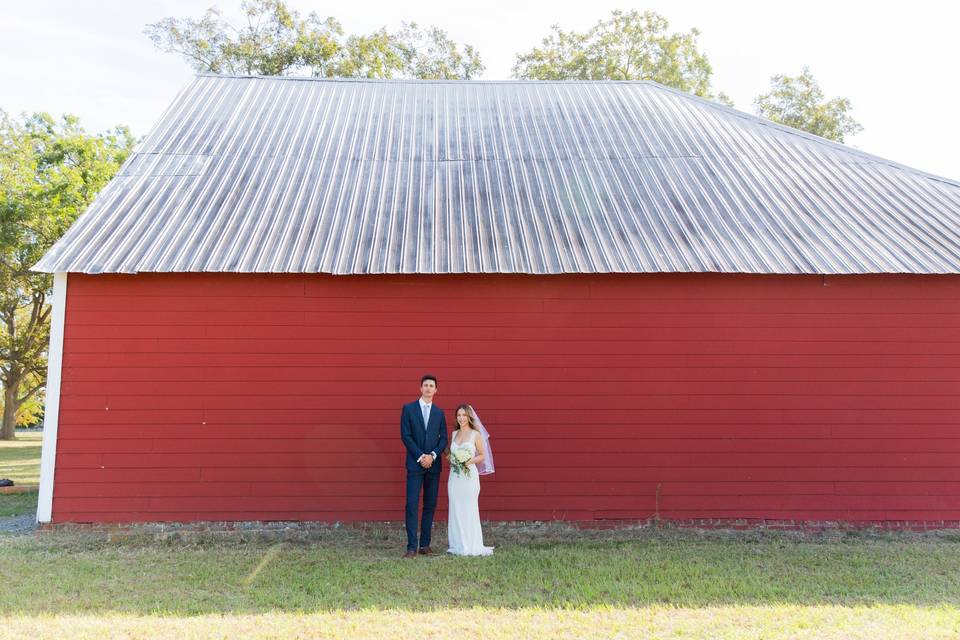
[
  {"x": 426, "y": 551},
  {"x": 410, "y": 554}
]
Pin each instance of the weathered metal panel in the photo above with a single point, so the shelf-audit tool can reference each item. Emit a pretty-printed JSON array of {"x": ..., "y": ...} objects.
[{"x": 249, "y": 174}]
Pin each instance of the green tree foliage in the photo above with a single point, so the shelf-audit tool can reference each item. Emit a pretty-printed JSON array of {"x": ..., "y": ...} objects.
[
  {"x": 277, "y": 40},
  {"x": 630, "y": 45},
  {"x": 799, "y": 102},
  {"x": 50, "y": 170}
]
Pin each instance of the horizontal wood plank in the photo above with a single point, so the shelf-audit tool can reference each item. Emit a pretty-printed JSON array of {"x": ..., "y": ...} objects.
[{"x": 262, "y": 396}]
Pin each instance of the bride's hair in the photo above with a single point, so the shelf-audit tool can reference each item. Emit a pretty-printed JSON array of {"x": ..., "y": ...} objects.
[{"x": 467, "y": 409}]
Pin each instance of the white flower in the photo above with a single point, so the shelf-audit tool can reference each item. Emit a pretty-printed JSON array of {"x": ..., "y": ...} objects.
[{"x": 462, "y": 455}]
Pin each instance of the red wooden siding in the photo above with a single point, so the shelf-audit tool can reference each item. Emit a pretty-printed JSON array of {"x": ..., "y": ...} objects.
[{"x": 252, "y": 397}]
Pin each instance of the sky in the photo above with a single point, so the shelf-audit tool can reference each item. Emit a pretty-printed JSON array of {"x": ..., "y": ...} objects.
[{"x": 895, "y": 61}]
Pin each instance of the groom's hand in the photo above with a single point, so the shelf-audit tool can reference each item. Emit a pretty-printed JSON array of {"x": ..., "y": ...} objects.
[{"x": 426, "y": 461}]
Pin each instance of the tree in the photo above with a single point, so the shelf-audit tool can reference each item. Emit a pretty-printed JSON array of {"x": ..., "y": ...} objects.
[
  {"x": 412, "y": 52},
  {"x": 628, "y": 46},
  {"x": 799, "y": 102},
  {"x": 279, "y": 41},
  {"x": 31, "y": 411},
  {"x": 49, "y": 172}
]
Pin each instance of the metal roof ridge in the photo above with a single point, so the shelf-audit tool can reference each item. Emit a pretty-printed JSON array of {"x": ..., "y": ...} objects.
[{"x": 413, "y": 80}]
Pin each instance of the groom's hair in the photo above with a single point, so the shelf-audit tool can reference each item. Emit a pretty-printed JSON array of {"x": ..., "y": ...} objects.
[{"x": 429, "y": 377}]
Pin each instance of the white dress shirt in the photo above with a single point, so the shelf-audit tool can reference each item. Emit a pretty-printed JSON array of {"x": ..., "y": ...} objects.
[{"x": 426, "y": 406}]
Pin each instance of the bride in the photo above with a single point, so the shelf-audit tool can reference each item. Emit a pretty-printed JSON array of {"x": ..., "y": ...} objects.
[{"x": 463, "y": 490}]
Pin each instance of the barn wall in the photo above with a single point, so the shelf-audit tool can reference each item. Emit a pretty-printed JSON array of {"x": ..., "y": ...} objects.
[{"x": 237, "y": 396}]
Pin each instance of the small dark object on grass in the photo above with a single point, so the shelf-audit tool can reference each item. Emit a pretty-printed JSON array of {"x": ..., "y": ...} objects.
[{"x": 6, "y": 482}]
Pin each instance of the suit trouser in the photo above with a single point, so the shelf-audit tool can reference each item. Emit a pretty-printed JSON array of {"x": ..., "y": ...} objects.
[{"x": 429, "y": 483}]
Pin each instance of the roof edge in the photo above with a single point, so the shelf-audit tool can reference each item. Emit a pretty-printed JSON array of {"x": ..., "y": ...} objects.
[{"x": 804, "y": 134}]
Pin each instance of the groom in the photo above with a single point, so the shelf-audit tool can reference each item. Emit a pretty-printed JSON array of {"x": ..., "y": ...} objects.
[{"x": 423, "y": 430}]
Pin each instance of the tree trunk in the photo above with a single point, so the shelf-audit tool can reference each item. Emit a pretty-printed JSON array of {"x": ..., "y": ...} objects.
[{"x": 8, "y": 429}]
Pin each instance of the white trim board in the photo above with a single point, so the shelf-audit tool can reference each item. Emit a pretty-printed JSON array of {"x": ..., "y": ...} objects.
[{"x": 51, "y": 413}]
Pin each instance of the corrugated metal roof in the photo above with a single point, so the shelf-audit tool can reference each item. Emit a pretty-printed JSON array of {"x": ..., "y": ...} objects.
[{"x": 254, "y": 174}]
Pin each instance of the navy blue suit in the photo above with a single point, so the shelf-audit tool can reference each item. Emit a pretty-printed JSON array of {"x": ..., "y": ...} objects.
[{"x": 421, "y": 439}]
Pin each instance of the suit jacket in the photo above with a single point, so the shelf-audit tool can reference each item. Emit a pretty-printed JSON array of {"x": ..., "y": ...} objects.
[{"x": 419, "y": 440}]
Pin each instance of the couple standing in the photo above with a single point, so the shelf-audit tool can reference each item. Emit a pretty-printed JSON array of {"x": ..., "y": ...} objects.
[{"x": 423, "y": 430}]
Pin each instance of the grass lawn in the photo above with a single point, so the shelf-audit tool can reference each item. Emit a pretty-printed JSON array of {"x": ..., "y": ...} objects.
[
  {"x": 20, "y": 461},
  {"x": 550, "y": 583},
  {"x": 20, "y": 458},
  {"x": 18, "y": 504},
  {"x": 543, "y": 582}
]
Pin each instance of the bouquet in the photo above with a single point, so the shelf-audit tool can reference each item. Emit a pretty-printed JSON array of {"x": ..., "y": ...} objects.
[{"x": 458, "y": 462}]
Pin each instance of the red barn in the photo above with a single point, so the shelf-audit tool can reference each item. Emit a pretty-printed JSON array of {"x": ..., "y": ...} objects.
[{"x": 660, "y": 306}]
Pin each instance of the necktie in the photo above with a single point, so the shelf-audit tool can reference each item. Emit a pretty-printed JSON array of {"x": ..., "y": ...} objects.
[{"x": 426, "y": 416}]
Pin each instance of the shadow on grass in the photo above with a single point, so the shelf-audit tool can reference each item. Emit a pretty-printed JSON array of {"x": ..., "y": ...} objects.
[
  {"x": 549, "y": 567},
  {"x": 16, "y": 504},
  {"x": 19, "y": 452}
]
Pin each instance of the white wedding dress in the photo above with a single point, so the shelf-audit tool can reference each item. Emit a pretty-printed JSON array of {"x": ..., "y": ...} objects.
[{"x": 463, "y": 519}]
